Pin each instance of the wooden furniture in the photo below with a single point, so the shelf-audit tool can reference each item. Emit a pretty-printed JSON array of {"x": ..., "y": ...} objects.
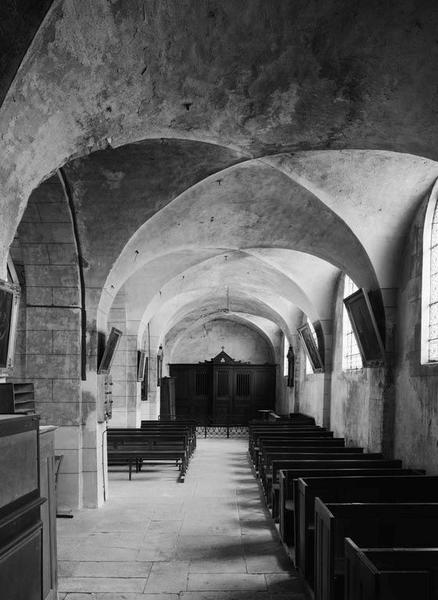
[
  {"x": 167, "y": 398},
  {"x": 342, "y": 461},
  {"x": 48, "y": 512},
  {"x": 267, "y": 446},
  {"x": 288, "y": 490},
  {"x": 356, "y": 494},
  {"x": 133, "y": 447},
  {"x": 223, "y": 390},
  {"x": 18, "y": 398},
  {"x": 297, "y": 433},
  {"x": 20, "y": 500},
  {"x": 294, "y": 443},
  {"x": 350, "y": 489},
  {"x": 390, "y": 573},
  {"x": 369, "y": 525}
]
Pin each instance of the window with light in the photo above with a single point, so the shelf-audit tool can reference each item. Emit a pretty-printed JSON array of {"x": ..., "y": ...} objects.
[
  {"x": 286, "y": 360},
  {"x": 429, "y": 313},
  {"x": 351, "y": 358}
]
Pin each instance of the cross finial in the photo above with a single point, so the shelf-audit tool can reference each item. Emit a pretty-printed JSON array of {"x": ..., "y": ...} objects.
[{"x": 223, "y": 348}]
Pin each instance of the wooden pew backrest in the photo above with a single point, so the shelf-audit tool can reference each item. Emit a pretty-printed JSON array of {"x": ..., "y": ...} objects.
[
  {"x": 377, "y": 524},
  {"x": 389, "y": 573}
]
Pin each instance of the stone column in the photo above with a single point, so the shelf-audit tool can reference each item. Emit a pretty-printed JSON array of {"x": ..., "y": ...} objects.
[
  {"x": 387, "y": 415},
  {"x": 327, "y": 331},
  {"x": 49, "y": 346}
]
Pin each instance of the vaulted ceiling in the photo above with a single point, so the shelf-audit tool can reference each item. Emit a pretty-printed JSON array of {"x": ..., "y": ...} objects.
[{"x": 225, "y": 155}]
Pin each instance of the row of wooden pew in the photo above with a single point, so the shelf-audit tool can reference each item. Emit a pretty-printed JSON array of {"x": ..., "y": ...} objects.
[
  {"x": 357, "y": 526},
  {"x": 155, "y": 442}
]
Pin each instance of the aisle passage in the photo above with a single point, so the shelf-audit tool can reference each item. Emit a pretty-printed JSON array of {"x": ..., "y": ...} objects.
[{"x": 209, "y": 538}]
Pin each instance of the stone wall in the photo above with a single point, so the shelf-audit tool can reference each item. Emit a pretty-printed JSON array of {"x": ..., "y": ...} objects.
[
  {"x": 416, "y": 407},
  {"x": 206, "y": 341},
  {"x": 356, "y": 396},
  {"x": 49, "y": 349},
  {"x": 125, "y": 388}
]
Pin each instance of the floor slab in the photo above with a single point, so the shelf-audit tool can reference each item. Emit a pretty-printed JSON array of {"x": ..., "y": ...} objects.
[{"x": 209, "y": 538}]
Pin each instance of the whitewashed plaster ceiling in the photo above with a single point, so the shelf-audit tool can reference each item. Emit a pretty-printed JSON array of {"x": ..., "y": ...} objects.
[
  {"x": 183, "y": 329},
  {"x": 296, "y": 138}
]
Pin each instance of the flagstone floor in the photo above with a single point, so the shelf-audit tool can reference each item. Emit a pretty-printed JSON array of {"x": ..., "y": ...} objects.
[{"x": 209, "y": 538}]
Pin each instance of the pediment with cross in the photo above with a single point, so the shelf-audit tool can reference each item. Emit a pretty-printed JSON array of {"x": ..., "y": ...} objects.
[{"x": 223, "y": 358}]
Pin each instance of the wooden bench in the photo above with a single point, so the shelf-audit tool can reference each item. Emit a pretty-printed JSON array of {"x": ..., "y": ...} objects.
[
  {"x": 254, "y": 433},
  {"x": 191, "y": 439},
  {"x": 188, "y": 427},
  {"x": 278, "y": 465},
  {"x": 266, "y": 452},
  {"x": 285, "y": 429},
  {"x": 390, "y": 573},
  {"x": 282, "y": 444},
  {"x": 288, "y": 483},
  {"x": 133, "y": 447},
  {"x": 256, "y": 440},
  {"x": 369, "y": 525},
  {"x": 318, "y": 437},
  {"x": 272, "y": 462},
  {"x": 300, "y": 416},
  {"x": 292, "y": 419},
  {"x": 387, "y": 488},
  {"x": 156, "y": 431}
]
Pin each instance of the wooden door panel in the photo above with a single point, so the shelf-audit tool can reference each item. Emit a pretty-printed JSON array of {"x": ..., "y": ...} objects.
[{"x": 223, "y": 392}]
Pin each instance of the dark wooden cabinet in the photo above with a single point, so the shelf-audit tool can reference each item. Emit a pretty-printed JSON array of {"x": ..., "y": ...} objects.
[
  {"x": 18, "y": 398},
  {"x": 167, "y": 398},
  {"x": 20, "y": 502},
  {"x": 223, "y": 390}
]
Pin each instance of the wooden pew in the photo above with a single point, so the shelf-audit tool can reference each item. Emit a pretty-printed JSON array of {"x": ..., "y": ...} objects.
[
  {"x": 287, "y": 485},
  {"x": 256, "y": 430},
  {"x": 254, "y": 433},
  {"x": 390, "y": 573},
  {"x": 387, "y": 488},
  {"x": 160, "y": 431},
  {"x": 283, "y": 443},
  {"x": 279, "y": 464},
  {"x": 188, "y": 426},
  {"x": 186, "y": 430},
  {"x": 266, "y": 451},
  {"x": 272, "y": 462},
  {"x": 301, "y": 416},
  {"x": 369, "y": 525},
  {"x": 278, "y": 419},
  {"x": 254, "y": 441},
  {"x": 133, "y": 447}
]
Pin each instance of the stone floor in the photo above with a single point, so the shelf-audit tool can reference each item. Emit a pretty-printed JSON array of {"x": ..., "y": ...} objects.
[{"x": 209, "y": 538}]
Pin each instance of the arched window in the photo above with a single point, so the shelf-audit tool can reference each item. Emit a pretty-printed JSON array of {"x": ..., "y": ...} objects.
[
  {"x": 429, "y": 295},
  {"x": 351, "y": 358},
  {"x": 285, "y": 358}
]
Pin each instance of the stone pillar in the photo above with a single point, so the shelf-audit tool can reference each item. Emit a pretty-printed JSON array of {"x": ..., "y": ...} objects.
[
  {"x": 389, "y": 297},
  {"x": 327, "y": 332},
  {"x": 49, "y": 348}
]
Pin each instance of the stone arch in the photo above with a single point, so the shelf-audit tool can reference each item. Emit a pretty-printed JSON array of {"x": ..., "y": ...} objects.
[{"x": 50, "y": 350}]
